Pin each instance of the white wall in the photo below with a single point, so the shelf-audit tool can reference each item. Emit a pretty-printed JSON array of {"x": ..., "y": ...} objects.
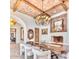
[
  {"x": 18, "y": 27},
  {"x": 18, "y": 39},
  {"x": 30, "y": 24},
  {"x": 47, "y": 37}
]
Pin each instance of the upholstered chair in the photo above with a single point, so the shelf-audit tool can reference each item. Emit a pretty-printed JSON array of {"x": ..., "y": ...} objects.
[
  {"x": 39, "y": 54},
  {"x": 64, "y": 55},
  {"x": 34, "y": 47},
  {"x": 21, "y": 49},
  {"x": 28, "y": 52},
  {"x": 54, "y": 56}
]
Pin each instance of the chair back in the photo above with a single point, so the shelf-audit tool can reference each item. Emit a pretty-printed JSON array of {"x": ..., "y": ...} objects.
[
  {"x": 29, "y": 51},
  {"x": 38, "y": 54}
]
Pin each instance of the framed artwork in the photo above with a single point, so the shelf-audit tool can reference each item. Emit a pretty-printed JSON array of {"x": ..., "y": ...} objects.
[
  {"x": 13, "y": 34},
  {"x": 22, "y": 33},
  {"x": 30, "y": 34},
  {"x": 45, "y": 31},
  {"x": 58, "y": 24}
]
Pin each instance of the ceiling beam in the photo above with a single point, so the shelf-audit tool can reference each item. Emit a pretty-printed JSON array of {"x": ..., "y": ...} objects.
[
  {"x": 30, "y": 4},
  {"x": 33, "y": 6},
  {"x": 64, "y": 6},
  {"x": 53, "y": 7},
  {"x": 62, "y": 3},
  {"x": 16, "y": 5},
  {"x": 61, "y": 13}
]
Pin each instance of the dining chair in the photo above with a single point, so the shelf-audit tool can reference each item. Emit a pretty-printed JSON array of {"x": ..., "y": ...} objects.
[
  {"x": 34, "y": 47},
  {"x": 21, "y": 49},
  {"x": 28, "y": 52},
  {"x": 39, "y": 54},
  {"x": 64, "y": 55},
  {"x": 54, "y": 56}
]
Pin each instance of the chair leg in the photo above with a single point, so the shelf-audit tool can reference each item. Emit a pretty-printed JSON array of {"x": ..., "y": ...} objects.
[
  {"x": 54, "y": 56},
  {"x": 25, "y": 55}
]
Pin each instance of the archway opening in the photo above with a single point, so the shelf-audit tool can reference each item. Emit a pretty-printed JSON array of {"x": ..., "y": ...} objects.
[{"x": 16, "y": 31}]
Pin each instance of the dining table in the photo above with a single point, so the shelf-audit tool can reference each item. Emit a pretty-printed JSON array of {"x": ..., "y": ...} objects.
[{"x": 55, "y": 48}]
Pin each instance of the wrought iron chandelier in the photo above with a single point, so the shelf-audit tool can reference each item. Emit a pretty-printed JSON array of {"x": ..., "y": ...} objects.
[{"x": 43, "y": 18}]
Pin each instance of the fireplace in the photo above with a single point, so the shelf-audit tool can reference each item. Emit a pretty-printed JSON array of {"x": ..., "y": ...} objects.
[{"x": 57, "y": 39}]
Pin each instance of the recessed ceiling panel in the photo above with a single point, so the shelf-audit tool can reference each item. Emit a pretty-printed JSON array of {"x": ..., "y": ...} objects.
[
  {"x": 50, "y": 3},
  {"x": 47, "y": 4},
  {"x": 34, "y": 7},
  {"x": 37, "y": 3},
  {"x": 56, "y": 10},
  {"x": 25, "y": 8}
]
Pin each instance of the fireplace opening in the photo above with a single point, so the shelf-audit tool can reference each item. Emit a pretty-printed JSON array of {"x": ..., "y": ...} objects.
[{"x": 58, "y": 39}]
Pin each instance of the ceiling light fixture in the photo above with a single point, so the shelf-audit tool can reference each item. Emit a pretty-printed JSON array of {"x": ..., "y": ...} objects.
[{"x": 43, "y": 18}]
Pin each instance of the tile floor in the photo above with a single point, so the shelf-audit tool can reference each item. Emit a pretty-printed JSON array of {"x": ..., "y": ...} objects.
[{"x": 14, "y": 51}]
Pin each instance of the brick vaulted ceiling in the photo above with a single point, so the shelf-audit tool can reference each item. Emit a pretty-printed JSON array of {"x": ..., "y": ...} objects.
[{"x": 34, "y": 7}]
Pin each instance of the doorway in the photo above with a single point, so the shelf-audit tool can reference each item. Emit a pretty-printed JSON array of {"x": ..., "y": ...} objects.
[{"x": 13, "y": 35}]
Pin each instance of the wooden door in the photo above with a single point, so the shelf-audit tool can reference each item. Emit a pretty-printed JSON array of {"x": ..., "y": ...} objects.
[{"x": 37, "y": 35}]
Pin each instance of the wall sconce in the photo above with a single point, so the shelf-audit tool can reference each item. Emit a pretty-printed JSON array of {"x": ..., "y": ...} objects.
[{"x": 12, "y": 22}]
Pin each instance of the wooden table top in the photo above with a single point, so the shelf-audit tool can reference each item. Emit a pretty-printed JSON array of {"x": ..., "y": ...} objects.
[{"x": 54, "y": 48}]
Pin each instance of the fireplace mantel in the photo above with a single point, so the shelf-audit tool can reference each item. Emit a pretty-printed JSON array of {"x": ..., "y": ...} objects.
[{"x": 57, "y": 39}]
